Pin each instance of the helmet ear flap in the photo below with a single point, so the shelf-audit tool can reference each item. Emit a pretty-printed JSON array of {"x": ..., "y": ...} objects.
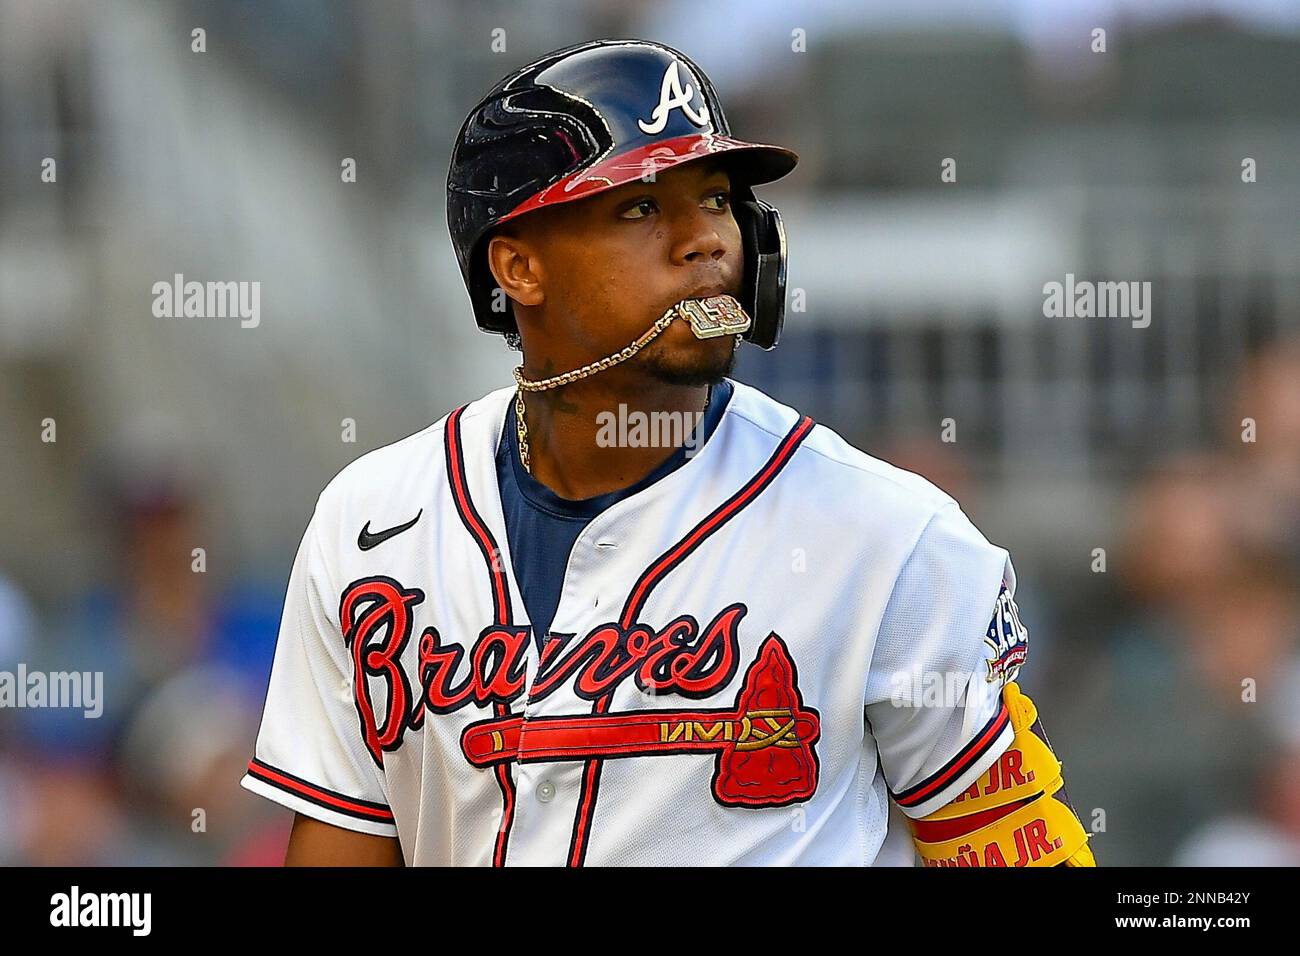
[
  {"x": 763, "y": 287},
  {"x": 491, "y": 305}
]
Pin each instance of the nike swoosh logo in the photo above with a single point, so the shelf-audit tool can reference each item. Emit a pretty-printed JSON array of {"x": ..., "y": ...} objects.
[{"x": 366, "y": 540}]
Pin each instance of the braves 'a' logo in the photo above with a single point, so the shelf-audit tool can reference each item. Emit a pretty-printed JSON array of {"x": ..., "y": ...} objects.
[
  {"x": 672, "y": 94},
  {"x": 763, "y": 745}
]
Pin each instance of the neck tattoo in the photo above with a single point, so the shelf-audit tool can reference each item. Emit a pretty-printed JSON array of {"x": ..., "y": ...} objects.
[{"x": 521, "y": 426}]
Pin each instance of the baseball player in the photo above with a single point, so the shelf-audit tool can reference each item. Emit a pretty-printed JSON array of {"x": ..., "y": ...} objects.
[{"x": 533, "y": 634}]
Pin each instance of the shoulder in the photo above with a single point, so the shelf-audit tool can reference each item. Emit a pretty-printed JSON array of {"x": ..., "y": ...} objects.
[
  {"x": 408, "y": 469},
  {"x": 843, "y": 481}
]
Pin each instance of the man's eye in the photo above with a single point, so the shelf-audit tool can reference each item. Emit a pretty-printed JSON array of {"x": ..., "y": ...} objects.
[
  {"x": 720, "y": 200},
  {"x": 639, "y": 211}
]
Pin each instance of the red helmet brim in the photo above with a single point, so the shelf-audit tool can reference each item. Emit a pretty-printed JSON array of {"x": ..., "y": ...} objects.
[{"x": 754, "y": 163}]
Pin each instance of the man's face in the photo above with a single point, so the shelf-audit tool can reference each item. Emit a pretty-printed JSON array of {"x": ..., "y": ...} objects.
[{"x": 610, "y": 265}]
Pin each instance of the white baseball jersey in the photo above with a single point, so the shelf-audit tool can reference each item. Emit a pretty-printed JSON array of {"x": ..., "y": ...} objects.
[{"x": 750, "y": 657}]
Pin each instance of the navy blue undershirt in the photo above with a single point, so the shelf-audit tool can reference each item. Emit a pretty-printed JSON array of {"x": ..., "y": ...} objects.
[{"x": 541, "y": 526}]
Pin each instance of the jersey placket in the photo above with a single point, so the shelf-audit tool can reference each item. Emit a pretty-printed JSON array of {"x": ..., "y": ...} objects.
[{"x": 549, "y": 790}]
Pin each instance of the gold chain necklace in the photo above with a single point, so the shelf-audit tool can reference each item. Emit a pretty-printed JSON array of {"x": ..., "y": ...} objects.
[{"x": 709, "y": 317}]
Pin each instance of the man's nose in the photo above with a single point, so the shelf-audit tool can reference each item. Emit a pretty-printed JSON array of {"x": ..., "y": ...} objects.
[{"x": 702, "y": 238}]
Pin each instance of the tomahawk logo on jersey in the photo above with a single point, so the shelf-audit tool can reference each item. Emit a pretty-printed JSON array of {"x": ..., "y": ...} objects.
[{"x": 716, "y": 686}]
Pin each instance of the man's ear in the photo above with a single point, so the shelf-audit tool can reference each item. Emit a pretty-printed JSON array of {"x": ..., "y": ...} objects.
[{"x": 515, "y": 266}]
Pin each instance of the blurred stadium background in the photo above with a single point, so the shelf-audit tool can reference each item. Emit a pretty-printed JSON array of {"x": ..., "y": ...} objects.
[{"x": 922, "y": 300}]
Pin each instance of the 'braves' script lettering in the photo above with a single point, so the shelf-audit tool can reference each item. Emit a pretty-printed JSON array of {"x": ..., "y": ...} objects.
[{"x": 375, "y": 614}]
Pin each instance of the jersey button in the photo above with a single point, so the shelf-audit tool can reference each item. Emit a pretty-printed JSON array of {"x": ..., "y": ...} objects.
[{"x": 546, "y": 791}]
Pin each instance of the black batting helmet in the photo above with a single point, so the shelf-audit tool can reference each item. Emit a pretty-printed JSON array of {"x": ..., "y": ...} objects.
[{"x": 591, "y": 117}]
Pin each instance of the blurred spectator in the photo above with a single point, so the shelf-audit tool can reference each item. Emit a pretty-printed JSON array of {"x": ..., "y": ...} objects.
[
  {"x": 183, "y": 675},
  {"x": 1172, "y": 724},
  {"x": 187, "y": 741},
  {"x": 17, "y": 623},
  {"x": 1265, "y": 479},
  {"x": 1268, "y": 837},
  {"x": 70, "y": 816}
]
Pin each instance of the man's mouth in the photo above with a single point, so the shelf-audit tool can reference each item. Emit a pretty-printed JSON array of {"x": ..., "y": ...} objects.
[{"x": 710, "y": 291}]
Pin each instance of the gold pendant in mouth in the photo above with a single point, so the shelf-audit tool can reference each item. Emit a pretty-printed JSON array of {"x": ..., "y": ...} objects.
[{"x": 713, "y": 316}]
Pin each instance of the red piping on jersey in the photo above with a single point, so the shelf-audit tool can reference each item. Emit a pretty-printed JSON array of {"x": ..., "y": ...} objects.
[
  {"x": 500, "y": 603},
  {"x": 353, "y": 807},
  {"x": 728, "y": 510},
  {"x": 954, "y": 768},
  {"x": 473, "y": 523},
  {"x": 641, "y": 592}
]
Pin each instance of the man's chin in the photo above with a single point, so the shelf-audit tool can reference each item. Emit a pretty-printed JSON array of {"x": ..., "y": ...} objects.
[{"x": 691, "y": 367}]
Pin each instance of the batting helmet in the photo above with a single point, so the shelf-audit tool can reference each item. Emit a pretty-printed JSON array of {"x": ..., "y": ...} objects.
[{"x": 591, "y": 117}]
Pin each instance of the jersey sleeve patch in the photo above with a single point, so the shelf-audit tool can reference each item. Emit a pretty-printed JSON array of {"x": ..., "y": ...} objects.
[{"x": 1007, "y": 640}]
